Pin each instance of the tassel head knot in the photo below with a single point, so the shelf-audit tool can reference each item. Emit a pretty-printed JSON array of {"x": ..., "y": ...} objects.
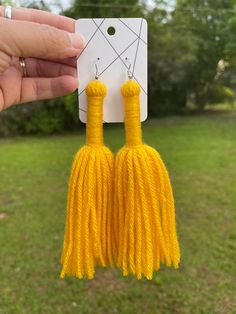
[
  {"x": 130, "y": 88},
  {"x": 96, "y": 89}
]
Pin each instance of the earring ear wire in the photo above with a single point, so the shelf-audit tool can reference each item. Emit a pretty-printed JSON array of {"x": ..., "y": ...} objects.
[
  {"x": 129, "y": 72},
  {"x": 96, "y": 69}
]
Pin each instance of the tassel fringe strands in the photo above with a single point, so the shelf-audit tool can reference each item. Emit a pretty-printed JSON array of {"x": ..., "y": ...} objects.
[
  {"x": 144, "y": 213},
  {"x": 87, "y": 240}
]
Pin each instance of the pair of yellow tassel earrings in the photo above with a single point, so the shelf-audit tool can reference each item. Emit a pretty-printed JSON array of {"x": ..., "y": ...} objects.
[{"x": 119, "y": 212}]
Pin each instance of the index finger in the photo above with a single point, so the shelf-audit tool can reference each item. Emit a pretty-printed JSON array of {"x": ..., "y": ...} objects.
[{"x": 42, "y": 17}]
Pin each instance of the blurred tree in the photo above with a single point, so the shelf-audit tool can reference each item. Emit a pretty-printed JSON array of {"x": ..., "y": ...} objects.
[
  {"x": 106, "y": 8},
  {"x": 186, "y": 46},
  {"x": 171, "y": 52},
  {"x": 207, "y": 22}
]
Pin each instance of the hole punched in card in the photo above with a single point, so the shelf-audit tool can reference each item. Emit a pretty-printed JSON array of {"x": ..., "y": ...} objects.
[{"x": 115, "y": 49}]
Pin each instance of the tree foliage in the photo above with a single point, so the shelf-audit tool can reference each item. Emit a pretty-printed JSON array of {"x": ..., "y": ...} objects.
[{"x": 189, "y": 43}]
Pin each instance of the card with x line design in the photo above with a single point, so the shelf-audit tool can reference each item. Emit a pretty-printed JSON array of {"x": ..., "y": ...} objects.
[{"x": 114, "y": 48}]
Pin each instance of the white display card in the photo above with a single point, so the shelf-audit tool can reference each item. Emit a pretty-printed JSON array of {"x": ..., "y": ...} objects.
[{"x": 112, "y": 47}]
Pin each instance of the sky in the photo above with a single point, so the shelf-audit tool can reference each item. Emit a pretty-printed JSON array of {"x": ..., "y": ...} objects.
[{"x": 65, "y": 4}]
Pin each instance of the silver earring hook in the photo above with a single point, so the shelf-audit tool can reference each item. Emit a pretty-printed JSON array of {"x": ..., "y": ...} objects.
[
  {"x": 96, "y": 67},
  {"x": 129, "y": 72}
]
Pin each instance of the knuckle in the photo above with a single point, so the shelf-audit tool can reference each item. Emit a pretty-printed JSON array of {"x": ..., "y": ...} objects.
[
  {"x": 2, "y": 67},
  {"x": 49, "y": 33},
  {"x": 5, "y": 61},
  {"x": 35, "y": 90},
  {"x": 53, "y": 39},
  {"x": 38, "y": 69}
]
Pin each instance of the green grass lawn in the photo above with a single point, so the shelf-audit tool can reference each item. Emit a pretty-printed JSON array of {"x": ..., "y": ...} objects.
[{"x": 200, "y": 153}]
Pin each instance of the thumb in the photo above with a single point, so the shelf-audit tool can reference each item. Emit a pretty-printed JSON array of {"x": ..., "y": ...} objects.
[{"x": 28, "y": 39}]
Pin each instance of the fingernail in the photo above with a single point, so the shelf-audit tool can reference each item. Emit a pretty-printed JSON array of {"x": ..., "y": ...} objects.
[{"x": 77, "y": 41}]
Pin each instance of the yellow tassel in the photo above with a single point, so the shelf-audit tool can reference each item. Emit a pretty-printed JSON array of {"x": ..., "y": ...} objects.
[
  {"x": 144, "y": 213},
  {"x": 87, "y": 240}
]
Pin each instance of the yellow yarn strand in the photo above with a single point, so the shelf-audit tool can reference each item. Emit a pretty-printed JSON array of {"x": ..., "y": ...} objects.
[
  {"x": 88, "y": 236},
  {"x": 144, "y": 212}
]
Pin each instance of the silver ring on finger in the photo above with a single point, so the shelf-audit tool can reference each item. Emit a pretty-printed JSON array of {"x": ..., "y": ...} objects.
[
  {"x": 8, "y": 12},
  {"x": 23, "y": 67}
]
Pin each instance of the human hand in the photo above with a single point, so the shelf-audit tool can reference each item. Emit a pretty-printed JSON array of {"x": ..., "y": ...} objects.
[{"x": 49, "y": 46}]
